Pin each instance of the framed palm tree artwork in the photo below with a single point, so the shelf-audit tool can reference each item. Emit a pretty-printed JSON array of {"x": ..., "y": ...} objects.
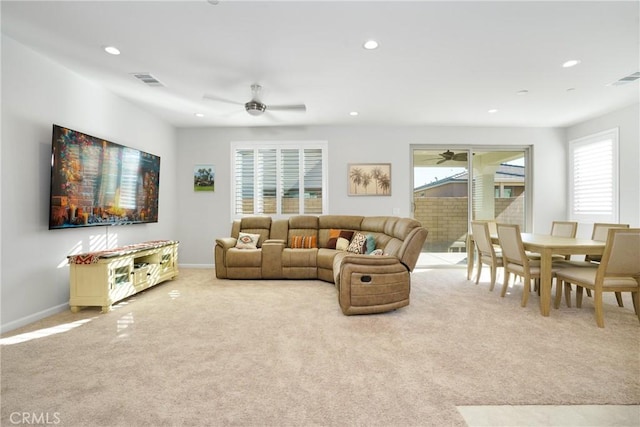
[{"x": 369, "y": 179}]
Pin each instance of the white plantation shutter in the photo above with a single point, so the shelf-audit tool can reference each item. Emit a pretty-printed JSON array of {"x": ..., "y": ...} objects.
[
  {"x": 278, "y": 178},
  {"x": 593, "y": 178},
  {"x": 266, "y": 182},
  {"x": 243, "y": 180},
  {"x": 290, "y": 181},
  {"x": 313, "y": 174}
]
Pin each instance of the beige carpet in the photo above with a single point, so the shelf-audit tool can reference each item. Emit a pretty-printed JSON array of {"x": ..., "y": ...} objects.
[{"x": 200, "y": 351}]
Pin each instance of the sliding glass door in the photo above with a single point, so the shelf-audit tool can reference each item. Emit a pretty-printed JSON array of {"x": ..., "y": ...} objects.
[{"x": 453, "y": 185}]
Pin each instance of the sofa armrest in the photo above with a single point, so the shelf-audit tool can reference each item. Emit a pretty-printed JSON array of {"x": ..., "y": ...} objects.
[
  {"x": 372, "y": 284},
  {"x": 226, "y": 242},
  {"x": 220, "y": 255},
  {"x": 272, "y": 258}
]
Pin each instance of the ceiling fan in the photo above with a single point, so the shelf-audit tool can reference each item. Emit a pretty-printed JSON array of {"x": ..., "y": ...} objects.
[
  {"x": 255, "y": 107},
  {"x": 450, "y": 155}
]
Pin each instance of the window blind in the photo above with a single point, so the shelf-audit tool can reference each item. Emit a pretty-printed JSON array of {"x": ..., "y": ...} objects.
[
  {"x": 593, "y": 178},
  {"x": 278, "y": 178}
]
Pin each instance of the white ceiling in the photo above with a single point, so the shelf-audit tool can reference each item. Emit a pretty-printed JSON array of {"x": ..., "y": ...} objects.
[{"x": 439, "y": 63}]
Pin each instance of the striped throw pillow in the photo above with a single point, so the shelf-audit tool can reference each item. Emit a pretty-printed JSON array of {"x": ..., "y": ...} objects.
[{"x": 299, "y": 242}]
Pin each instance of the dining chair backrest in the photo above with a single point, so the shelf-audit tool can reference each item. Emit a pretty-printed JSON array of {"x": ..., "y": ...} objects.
[
  {"x": 601, "y": 230},
  {"x": 482, "y": 237},
  {"x": 511, "y": 244},
  {"x": 600, "y": 233},
  {"x": 621, "y": 253},
  {"x": 564, "y": 228}
]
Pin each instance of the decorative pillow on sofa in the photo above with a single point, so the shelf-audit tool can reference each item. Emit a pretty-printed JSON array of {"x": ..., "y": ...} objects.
[
  {"x": 377, "y": 252},
  {"x": 358, "y": 244},
  {"x": 371, "y": 244},
  {"x": 299, "y": 242},
  {"x": 333, "y": 238},
  {"x": 247, "y": 241},
  {"x": 335, "y": 235},
  {"x": 342, "y": 244}
]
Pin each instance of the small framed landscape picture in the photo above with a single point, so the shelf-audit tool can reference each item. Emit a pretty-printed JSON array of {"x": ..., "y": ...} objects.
[
  {"x": 204, "y": 178},
  {"x": 369, "y": 179}
]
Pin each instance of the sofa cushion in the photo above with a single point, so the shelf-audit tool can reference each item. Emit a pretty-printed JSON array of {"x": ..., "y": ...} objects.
[
  {"x": 299, "y": 258},
  {"x": 244, "y": 258},
  {"x": 254, "y": 225},
  {"x": 247, "y": 241}
]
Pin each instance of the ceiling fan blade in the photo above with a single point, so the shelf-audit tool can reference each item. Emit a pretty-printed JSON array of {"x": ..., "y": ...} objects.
[
  {"x": 441, "y": 161},
  {"x": 220, "y": 99},
  {"x": 461, "y": 157},
  {"x": 298, "y": 107}
]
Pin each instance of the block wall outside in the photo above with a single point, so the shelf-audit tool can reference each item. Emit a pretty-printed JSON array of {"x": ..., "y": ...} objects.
[{"x": 446, "y": 218}]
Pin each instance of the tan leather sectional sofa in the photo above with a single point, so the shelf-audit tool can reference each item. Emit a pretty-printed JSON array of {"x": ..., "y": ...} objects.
[{"x": 382, "y": 280}]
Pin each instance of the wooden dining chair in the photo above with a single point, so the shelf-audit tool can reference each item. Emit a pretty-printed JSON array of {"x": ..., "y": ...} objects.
[
  {"x": 600, "y": 232},
  {"x": 516, "y": 261},
  {"x": 487, "y": 252},
  {"x": 618, "y": 271}
]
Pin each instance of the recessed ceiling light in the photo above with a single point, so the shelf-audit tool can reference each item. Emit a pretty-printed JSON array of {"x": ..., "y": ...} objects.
[
  {"x": 198, "y": 114},
  {"x": 353, "y": 113},
  {"x": 522, "y": 92},
  {"x": 492, "y": 111},
  {"x": 571, "y": 63},
  {"x": 112, "y": 50},
  {"x": 370, "y": 44}
]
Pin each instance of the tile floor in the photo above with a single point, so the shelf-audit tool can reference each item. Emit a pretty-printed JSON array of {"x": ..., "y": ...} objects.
[{"x": 552, "y": 416}]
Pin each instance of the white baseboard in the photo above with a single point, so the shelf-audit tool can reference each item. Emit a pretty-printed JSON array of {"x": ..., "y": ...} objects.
[
  {"x": 196, "y": 266},
  {"x": 33, "y": 318}
]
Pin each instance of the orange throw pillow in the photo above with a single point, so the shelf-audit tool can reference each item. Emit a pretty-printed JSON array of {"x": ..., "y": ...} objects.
[{"x": 300, "y": 242}]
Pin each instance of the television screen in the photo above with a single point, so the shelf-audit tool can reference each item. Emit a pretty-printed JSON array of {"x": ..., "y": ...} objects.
[{"x": 97, "y": 182}]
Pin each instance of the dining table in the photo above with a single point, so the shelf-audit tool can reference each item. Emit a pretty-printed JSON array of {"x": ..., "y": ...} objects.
[{"x": 546, "y": 245}]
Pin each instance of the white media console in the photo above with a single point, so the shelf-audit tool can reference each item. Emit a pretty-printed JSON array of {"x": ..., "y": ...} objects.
[{"x": 106, "y": 277}]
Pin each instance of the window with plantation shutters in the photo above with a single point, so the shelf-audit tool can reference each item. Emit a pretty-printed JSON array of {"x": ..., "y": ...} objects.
[
  {"x": 279, "y": 179},
  {"x": 593, "y": 178}
]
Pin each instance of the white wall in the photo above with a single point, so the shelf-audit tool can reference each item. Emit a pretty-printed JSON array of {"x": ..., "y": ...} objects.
[
  {"x": 627, "y": 120},
  {"x": 37, "y": 93},
  {"x": 205, "y": 216}
]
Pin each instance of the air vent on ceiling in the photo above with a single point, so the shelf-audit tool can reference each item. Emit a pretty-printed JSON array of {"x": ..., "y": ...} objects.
[
  {"x": 628, "y": 79},
  {"x": 147, "y": 79}
]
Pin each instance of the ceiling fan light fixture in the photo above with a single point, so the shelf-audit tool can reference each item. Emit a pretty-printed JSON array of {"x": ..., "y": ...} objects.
[{"x": 255, "y": 108}]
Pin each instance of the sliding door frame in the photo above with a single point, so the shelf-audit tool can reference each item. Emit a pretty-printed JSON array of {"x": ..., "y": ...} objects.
[{"x": 470, "y": 149}]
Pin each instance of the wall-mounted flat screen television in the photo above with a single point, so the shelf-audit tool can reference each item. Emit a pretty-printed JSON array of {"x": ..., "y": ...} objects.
[{"x": 98, "y": 182}]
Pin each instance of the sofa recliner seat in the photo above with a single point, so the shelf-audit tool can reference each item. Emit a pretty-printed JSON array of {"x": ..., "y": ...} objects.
[{"x": 365, "y": 283}]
